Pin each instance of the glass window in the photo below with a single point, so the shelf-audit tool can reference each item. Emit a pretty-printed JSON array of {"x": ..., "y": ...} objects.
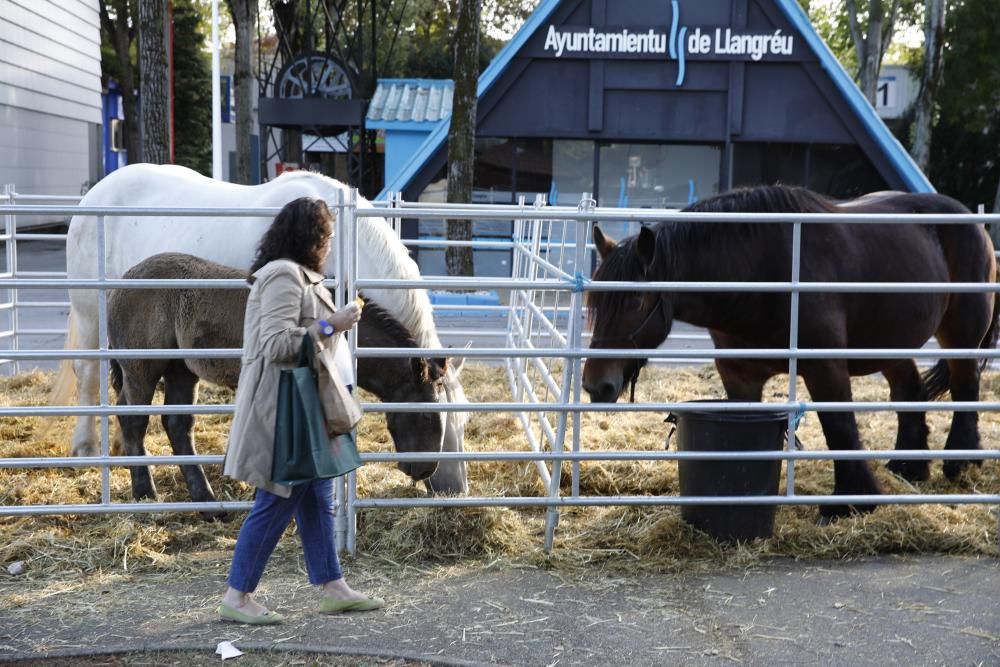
[
  {"x": 657, "y": 175},
  {"x": 533, "y": 168},
  {"x": 493, "y": 181},
  {"x": 572, "y": 171}
]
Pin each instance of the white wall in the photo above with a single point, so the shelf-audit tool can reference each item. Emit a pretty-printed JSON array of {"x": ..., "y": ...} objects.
[{"x": 50, "y": 94}]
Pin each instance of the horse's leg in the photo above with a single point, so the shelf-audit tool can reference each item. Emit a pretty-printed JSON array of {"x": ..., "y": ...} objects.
[
  {"x": 82, "y": 335},
  {"x": 905, "y": 385},
  {"x": 742, "y": 380},
  {"x": 966, "y": 320},
  {"x": 966, "y": 323},
  {"x": 964, "y": 433},
  {"x": 828, "y": 380},
  {"x": 137, "y": 389},
  {"x": 84, "y": 442},
  {"x": 181, "y": 387}
]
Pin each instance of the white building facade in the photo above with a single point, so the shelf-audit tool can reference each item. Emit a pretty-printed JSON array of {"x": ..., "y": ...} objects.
[{"x": 50, "y": 95}]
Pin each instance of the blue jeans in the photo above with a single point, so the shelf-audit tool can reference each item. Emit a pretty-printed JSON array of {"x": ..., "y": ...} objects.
[{"x": 312, "y": 506}]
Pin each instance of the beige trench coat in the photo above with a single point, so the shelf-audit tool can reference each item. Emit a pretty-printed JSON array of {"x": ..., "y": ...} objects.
[{"x": 285, "y": 299}]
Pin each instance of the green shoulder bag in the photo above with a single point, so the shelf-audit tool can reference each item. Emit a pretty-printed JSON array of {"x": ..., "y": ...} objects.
[{"x": 302, "y": 449}]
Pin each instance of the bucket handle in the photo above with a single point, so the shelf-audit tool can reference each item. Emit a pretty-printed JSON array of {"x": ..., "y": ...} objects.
[{"x": 672, "y": 420}]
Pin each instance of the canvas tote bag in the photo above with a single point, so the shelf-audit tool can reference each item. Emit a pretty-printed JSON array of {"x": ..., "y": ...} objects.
[{"x": 342, "y": 410}]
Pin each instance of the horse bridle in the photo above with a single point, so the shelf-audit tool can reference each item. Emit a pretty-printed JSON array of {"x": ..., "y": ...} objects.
[{"x": 631, "y": 339}]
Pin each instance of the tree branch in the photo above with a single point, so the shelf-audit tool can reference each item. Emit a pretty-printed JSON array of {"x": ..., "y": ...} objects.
[{"x": 856, "y": 36}]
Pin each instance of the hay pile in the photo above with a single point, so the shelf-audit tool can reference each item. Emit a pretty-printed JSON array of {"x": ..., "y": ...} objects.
[{"x": 647, "y": 537}]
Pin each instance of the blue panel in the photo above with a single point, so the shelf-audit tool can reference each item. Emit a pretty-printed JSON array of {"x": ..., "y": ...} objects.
[{"x": 400, "y": 147}]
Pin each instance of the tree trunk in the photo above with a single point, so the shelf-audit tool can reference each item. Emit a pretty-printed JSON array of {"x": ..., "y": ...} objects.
[
  {"x": 243, "y": 15},
  {"x": 871, "y": 45},
  {"x": 290, "y": 45},
  {"x": 122, "y": 36},
  {"x": 934, "y": 21},
  {"x": 462, "y": 132},
  {"x": 153, "y": 65}
]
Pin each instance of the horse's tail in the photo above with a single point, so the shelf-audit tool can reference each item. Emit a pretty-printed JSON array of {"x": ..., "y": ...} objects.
[
  {"x": 64, "y": 386},
  {"x": 937, "y": 380},
  {"x": 116, "y": 375}
]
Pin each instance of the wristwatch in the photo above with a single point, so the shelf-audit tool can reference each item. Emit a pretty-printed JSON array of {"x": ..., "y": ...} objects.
[{"x": 325, "y": 328}]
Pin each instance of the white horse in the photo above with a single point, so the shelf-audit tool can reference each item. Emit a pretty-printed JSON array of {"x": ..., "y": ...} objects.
[{"x": 230, "y": 241}]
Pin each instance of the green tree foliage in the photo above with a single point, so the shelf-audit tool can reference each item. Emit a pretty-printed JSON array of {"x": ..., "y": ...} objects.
[
  {"x": 424, "y": 45},
  {"x": 965, "y": 154},
  {"x": 830, "y": 19},
  {"x": 192, "y": 89}
]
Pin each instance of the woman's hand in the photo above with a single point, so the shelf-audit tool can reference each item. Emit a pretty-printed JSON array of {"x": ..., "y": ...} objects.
[{"x": 345, "y": 318}]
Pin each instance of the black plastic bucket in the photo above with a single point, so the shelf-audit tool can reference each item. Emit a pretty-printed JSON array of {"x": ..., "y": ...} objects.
[{"x": 706, "y": 430}]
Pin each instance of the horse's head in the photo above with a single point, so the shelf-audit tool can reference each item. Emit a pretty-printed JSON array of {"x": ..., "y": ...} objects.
[
  {"x": 630, "y": 320},
  {"x": 452, "y": 477},
  {"x": 403, "y": 380},
  {"x": 418, "y": 431}
]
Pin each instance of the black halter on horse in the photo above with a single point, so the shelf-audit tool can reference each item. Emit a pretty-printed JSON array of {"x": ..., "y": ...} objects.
[{"x": 612, "y": 341}]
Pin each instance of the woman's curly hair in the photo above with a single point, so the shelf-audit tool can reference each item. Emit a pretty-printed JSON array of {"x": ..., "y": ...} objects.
[{"x": 300, "y": 232}]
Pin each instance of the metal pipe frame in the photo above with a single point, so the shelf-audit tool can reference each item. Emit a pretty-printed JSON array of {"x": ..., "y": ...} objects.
[
  {"x": 537, "y": 456},
  {"x": 568, "y": 405}
]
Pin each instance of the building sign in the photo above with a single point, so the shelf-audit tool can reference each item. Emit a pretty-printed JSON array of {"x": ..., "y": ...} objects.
[
  {"x": 896, "y": 91},
  {"x": 679, "y": 43}
]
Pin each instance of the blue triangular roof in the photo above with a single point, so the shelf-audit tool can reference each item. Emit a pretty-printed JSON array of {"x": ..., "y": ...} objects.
[{"x": 884, "y": 139}]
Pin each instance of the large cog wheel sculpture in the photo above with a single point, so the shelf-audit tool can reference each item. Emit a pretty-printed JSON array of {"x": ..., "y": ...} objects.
[{"x": 315, "y": 75}]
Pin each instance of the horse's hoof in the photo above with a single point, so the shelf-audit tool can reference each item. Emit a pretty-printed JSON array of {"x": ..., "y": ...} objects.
[
  {"x": 84, "y": 449},
  {"x": 911, "y": 470},
  {"x": 953, "y": 468},
  {"x": 221, "y": 517}
]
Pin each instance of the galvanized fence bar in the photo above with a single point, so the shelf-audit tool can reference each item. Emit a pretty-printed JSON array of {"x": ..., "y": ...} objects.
[
  {"x": 515, "y": 456},
  {"x": 480, "y": 212},
  {"x": 571, "y": 353},
  {"x": 10, "y": 244},
  {"x": 102, "y": 345},
  {"x": 793, "y": 363}
]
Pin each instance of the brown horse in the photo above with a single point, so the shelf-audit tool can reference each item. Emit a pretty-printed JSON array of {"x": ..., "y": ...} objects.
[
  {"x": 866, "y": 252},
  {"x": 213, "y": 318}
]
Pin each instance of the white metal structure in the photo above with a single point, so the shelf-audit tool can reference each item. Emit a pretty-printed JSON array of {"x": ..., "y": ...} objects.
[{"x": 545, "y": 324}]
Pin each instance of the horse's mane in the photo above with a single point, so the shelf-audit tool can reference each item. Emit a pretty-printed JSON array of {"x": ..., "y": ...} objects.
[
  {"x": 623, "y": 264},
  {"x": 390, "y": 325},
  {"x": 765, "y": 199}
]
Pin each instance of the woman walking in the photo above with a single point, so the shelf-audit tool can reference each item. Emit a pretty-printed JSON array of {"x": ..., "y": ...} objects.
[{"x": 287, "y": 300}]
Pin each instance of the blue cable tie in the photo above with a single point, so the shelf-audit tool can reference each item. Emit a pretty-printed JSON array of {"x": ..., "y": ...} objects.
[
  {"x": 578, "y": 281},
  {"x": 799, "y": 415}
]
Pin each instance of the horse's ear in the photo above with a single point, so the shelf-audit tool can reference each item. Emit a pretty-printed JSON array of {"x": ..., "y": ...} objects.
[
  {"x": 457, "y": 363},
  {"x": 603, "y": 243},
  {"x": 646, "y": 246}
]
